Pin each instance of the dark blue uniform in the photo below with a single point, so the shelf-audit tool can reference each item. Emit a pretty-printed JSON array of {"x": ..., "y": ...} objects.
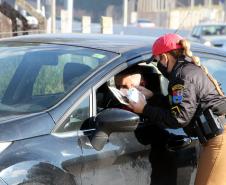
[{"x": 190, "y": 90}]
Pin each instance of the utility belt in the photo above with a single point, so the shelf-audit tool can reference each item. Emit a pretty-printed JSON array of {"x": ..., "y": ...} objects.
[{"x": 208, "y": 125}]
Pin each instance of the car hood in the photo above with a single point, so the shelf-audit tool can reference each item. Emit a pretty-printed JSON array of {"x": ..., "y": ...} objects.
[
  {"x": 219, "y": 41},
  {"x": 25, "y": 126}
]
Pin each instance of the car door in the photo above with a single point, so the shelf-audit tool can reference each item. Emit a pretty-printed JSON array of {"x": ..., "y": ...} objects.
[
  {"x": 123, "y": 160},
  {"x": 68, "y": 130}
]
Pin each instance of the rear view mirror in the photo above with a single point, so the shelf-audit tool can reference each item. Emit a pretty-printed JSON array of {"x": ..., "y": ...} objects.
[{"x": 112, "y": 120}]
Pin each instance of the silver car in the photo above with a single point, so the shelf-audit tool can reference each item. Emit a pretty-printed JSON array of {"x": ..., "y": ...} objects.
[{"x": 209, "y": 34}]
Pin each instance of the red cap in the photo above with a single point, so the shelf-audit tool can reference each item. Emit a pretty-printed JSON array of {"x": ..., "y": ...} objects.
[{"x": 166, "y": 43}]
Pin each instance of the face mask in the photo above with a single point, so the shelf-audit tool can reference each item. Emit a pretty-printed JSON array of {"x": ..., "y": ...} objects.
[{"x": 163, "y": 70}]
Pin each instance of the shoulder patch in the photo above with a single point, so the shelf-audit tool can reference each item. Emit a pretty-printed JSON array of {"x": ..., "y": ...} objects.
[
  {"x": 175, "y": 110},
  {"x": 177, "y": 93},
  {"x": 177, "y": 87}
]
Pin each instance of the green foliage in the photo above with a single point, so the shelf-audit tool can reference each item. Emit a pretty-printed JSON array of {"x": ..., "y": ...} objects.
[
  {"x": 49, "y": 80},
  {"x": 7, "y": 70}
]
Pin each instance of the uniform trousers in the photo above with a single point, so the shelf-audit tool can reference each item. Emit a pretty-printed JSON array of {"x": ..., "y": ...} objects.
[{"x": 212, "y": 163}]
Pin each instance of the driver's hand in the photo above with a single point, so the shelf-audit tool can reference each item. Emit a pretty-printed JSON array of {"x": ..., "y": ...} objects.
[
  {"x": 139, "y": 106},
  {"x": 146, "y": 92}
]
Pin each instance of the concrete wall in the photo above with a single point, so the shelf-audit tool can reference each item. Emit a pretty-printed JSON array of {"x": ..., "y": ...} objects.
[
  {"x": 184, "y": 18},
  {"x": 5, "y": 26}
]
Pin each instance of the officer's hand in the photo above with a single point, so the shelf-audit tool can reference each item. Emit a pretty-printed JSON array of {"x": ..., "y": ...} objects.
[
  {"x": 138, "y": 106},
  {"x": 146, "y": 92}
]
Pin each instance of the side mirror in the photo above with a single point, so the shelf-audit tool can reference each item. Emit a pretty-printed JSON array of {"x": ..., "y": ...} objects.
[{"x": 112, "y": 120}]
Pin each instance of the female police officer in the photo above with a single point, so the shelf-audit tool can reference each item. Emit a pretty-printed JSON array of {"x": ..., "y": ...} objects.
[{"x": 196, "y": 103}]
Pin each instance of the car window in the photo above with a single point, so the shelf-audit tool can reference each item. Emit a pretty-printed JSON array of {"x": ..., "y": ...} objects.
[
  {"x": 75, "y": 120},
  {"x": 217, "y": 68},
  {"x": 34, "y": 77},
  {"x": 107, "y": 95},
  {"x": 50, "y": 75},
  {"x": 196, "y": 31},
  {"x": 214, "y": 30},
  {"x": 193, "y": 33}
]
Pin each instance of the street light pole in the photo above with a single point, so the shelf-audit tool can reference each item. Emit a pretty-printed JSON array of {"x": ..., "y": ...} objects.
[
  {"x": 224, "y": 10},
  {"x": 39, "y": 5},
  {"x": 70, "y": 14},
  {"x": 192, "y": 3},
  {"x": 53, "y": 16},
  {"x": 125, "y": 12}
]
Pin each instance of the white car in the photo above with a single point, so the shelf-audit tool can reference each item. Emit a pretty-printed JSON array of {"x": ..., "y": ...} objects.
[
  {"x": 210, "y": 34},
  {"x": 32, "y": 21},
  {"x": 144, "y": 23}
]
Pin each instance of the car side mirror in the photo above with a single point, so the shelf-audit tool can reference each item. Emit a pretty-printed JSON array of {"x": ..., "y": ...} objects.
[{"x": 112, "y": 120}]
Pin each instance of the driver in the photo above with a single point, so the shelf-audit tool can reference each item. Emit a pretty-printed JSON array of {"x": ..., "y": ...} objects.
[{"x": 162, "y": 160}]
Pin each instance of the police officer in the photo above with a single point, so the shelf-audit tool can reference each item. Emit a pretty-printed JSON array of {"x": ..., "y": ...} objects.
[{"x": 197, "y": 104}]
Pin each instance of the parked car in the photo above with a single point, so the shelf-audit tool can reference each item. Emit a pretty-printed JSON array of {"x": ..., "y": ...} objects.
[
  {"x": 32, "y": 21},
  {"x": 210, "y": 34},
  {"x": 57, "y": 126},
  {"x": 144, "y": 23}
]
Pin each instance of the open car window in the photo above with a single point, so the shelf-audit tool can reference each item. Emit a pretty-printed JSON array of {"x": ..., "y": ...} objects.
[{"x": 150, "y": 79}]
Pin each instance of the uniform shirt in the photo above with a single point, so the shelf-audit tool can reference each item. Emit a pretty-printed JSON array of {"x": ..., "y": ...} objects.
[{"x": 189, "y": 88}]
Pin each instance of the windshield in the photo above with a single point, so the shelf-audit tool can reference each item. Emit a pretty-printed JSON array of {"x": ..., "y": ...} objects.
[
  {"x": 33, "y": 77},
  {"x": 214, "y": 30}
]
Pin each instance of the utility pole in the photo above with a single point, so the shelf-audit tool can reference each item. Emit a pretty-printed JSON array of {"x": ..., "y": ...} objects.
[
  {"x": 69, "y": 8},
  {"x": 224, "y": 10},
  {"x": 39, "y": 5},
  {"x": 125, "y": 12},
  {"x": 53, "y": 16},
  {"x": 192, "y": 3}
]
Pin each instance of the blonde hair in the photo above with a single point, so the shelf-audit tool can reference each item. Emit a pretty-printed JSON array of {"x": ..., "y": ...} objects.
[{"x": 187, "y": 51}]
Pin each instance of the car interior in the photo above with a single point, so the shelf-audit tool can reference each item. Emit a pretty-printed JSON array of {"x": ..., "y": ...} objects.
[
  {"x": 73, "y": 72},
  {"x": 105, "y": 99},
  {"x": 150, "y": 75}
]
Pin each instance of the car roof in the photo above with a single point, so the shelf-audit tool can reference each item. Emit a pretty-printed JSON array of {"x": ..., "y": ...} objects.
[{"x": 114, "y": 43}]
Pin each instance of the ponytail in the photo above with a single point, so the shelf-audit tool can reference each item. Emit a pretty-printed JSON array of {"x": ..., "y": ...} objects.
[{"x": 187, "y": 52}]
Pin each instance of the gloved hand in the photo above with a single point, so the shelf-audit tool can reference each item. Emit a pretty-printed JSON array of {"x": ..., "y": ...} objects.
[
  {"x": 138, "y": 106},
  {"x": 146, "y": 92}
]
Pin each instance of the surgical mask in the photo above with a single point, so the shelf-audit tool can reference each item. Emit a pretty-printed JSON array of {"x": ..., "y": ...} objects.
[{"x": 163, "y": 70}]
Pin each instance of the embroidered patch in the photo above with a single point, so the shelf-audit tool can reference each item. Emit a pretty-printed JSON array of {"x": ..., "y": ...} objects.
[
  {"x": 177, "y": 93},
  {"x": 177, "y": 87},
  {"x": 175, "y": 110}
]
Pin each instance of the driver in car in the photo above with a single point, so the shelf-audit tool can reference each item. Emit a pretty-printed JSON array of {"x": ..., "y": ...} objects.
[{"x": 162, "y": 159}]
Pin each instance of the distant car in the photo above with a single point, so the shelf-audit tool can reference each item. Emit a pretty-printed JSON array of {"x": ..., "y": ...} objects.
[
  {"x": 209, "y": 34},
  {"x": 58, "y": 125},
  {"x": 144, "y": 23},
  {"x": 32, "y": 21}
]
